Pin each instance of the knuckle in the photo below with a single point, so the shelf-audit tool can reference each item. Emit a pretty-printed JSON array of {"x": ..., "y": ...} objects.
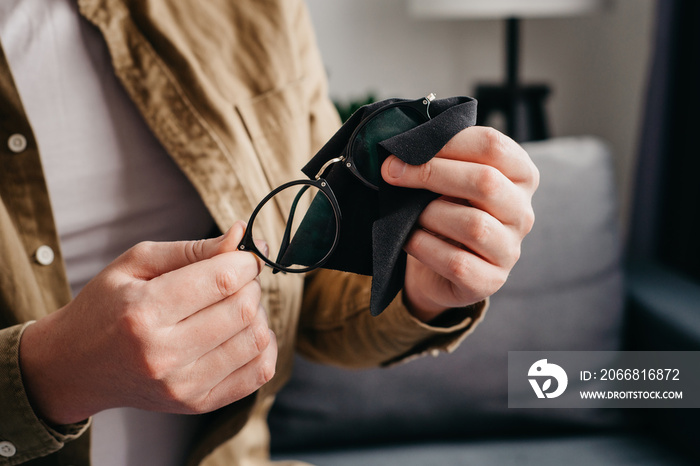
[
  {"x": 183, "y": 396},
  {"x": 247, "y": 304},
  {"x": 135, "y": 331},
  {"x": 191, "y": 404},
  {"x": 478, "y": 228},
  {"x": 227, "y": 281},
  {"x": 494, "y": 142},
  {"x": 248, "y": 309},
  {"x": 259, "y": 335},
  {"x": 489, "y": 283},
  {"x": 142, "y": 348},
  {"x": 265, "y": 370},
  {"x": 499, "y": 279},
  {"x": 183, "y": 400},
  {"x": 489, "y": 181},
  {"x": 514, "y": 255},
  {"x": 143, "y": 248},
  {"x": 133, "y": 328},
  {"x": 170, "y": 393},
  {"x": 194, "y": 250},
  {"x": 140, "y": 252},
  {"x": 154, "y": 369},
  {"x": 486, "y": 284},
  {"x": 138, "y": 309},
  {"x": 131, "y": 297},
  {"x": 425, "y": 173},
  {"x": 528, "y": 220},
  {"x": 415, "y": 240},
  {"x": 134, "y": 322},
  {"x": 459, "y": 266}
]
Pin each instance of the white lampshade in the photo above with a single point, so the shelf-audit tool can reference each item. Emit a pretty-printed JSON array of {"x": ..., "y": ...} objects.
[{"x": 498, "y": 9}]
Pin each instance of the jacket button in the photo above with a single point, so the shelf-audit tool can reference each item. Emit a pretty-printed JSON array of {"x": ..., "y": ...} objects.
[
  {"x": 44, "y": 255},
  {"x": 7, "y": 449},
  {"x": 17, "y": 143}
]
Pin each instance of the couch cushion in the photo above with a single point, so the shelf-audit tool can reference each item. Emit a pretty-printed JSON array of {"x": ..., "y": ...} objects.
[
  {"x": 565, "y": 293},
  {"x": 571, "y": 451}
]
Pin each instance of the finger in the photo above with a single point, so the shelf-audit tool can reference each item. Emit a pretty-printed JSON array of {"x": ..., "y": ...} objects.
[
  {"x": 207, "y": 329},
  {"x": 187, "y": 290},
  {"x": 473, "y": 229},
  {"x": 235, "y": 352},
  {"x": 482, "y": 185},
  {"x": 488, "y": 146},
  {"x": 218, "y": 322},
  {"x": 149, "y": 259},
  {"x": 245, "y": 380},
  {"x": 466, "y": 275}
]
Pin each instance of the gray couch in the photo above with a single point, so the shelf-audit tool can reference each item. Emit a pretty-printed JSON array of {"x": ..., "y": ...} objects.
[{"x": 567, "y": 292}]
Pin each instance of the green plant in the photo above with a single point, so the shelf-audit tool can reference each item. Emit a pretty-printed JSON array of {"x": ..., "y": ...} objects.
[{"x": 346, "y": 109}]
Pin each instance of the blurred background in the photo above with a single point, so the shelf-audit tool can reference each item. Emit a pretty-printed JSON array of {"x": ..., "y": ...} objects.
[
  {"x": 605, "y": 96},
  {"x": 595, "y": 64}
]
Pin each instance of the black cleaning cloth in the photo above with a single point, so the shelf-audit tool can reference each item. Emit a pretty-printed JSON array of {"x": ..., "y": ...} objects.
[{"x": 376, "y": 223}]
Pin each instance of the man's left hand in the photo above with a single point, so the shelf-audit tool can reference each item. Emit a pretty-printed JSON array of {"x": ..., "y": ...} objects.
[{"x": 466, "y": 242}]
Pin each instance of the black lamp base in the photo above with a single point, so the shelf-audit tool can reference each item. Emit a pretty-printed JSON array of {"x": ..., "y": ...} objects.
[{"x": 522, "y": 108}]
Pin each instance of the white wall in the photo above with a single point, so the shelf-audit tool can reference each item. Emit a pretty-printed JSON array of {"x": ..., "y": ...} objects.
[{"x": 596, "y": 65}]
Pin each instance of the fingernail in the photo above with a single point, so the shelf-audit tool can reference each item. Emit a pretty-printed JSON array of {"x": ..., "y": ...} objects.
[
  {"x": 396, "y": 167},
  {"x": 262, "y": 247}
]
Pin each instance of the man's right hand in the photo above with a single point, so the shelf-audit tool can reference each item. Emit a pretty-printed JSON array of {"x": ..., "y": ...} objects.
[{"x": 173, "y": 327}]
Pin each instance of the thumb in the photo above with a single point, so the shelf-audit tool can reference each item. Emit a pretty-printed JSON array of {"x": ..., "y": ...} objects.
[
  {"x": 152, "y": 259},
  {"x": 195, "y": 251}
]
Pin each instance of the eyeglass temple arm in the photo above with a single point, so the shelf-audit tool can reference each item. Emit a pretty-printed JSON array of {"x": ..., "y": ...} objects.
[{"x": 288, "y": 228}]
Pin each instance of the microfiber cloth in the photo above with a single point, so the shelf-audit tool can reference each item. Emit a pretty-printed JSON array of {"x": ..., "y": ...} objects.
[{"x": 376, "y": 223}]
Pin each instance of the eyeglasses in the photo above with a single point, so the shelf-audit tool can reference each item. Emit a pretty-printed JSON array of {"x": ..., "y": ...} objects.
[{"x": 313, "y": 215}]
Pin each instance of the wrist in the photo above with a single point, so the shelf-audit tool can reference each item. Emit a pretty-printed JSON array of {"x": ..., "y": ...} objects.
[
  {"x": 43, "y": 365},
  {"x": 422, "y": 309}
]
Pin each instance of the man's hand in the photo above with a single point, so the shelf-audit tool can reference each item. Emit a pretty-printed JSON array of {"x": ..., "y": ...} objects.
[
  {"x": 467, "y": 241},
  {"x": 173, "y": 327}
]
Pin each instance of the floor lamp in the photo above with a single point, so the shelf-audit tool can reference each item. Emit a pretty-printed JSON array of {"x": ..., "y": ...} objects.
[{"x": 522, "y": 106}]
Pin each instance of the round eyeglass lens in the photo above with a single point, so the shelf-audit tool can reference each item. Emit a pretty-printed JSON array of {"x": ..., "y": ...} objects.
[
  {"x": 310, "y": 227},
  {"x": 387, "y": 123}
]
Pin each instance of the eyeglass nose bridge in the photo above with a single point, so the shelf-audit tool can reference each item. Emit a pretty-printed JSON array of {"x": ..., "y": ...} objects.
[{"x": 325, "y": 166}]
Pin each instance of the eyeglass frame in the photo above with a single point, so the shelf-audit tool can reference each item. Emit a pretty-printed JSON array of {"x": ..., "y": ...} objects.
[{"x": 347, "y": 157}]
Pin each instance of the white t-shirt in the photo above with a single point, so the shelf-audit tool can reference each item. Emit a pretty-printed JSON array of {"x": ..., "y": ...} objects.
[{"x": 111, "y": 184}]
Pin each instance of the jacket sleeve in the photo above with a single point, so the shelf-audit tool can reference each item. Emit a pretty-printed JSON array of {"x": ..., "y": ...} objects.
[
  {"x": 336, "y": 326},
  {"x": 23, "y": 436}
]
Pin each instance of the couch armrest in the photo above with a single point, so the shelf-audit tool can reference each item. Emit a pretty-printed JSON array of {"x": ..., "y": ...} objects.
[
  {"x": 663, "y": 314},
  {"x": 663, "y": 309}
]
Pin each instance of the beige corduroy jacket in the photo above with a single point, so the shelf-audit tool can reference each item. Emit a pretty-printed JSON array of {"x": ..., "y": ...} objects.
[{"x": 235, "y": 91}]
